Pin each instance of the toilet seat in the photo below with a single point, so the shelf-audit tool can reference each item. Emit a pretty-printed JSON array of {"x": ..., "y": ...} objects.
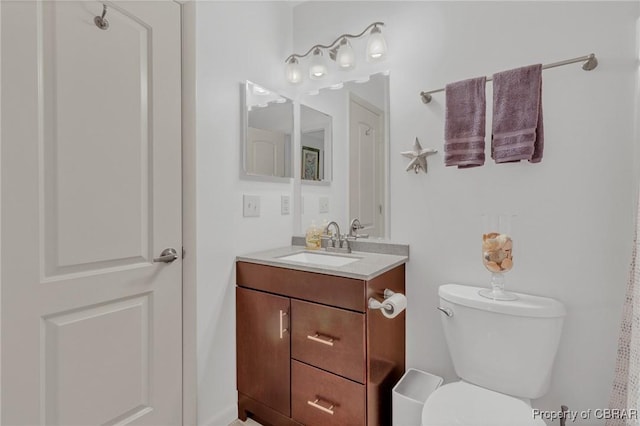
[{"x": 462, "y": 403}]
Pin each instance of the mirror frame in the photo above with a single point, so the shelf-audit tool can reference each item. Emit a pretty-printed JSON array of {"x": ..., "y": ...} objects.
[{"x": 244, "y": 125}]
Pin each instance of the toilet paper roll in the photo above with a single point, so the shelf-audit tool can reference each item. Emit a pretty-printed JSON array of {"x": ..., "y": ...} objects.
[{"x": 392, "y": 306}]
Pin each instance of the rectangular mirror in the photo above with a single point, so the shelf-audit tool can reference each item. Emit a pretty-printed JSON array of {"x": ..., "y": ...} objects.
[
  {"x": 315, "y": 139},
  {"x": 267, "y": 127},
  {"x": 358, "y": 156}
]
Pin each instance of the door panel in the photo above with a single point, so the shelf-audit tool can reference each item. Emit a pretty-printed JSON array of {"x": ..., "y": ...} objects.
[
  {"x": 91, "y": 192},
  {"x": 95, "y": 125},
  {"x": 82, "y": 356},
  {"x": 265, "y": 152}
]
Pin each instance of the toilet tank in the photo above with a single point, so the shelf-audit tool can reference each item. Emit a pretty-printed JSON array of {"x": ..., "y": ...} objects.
[{"x": 505, "y": 346}]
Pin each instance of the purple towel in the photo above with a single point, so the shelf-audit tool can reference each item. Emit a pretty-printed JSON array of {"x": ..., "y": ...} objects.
[
  {"x": 464, "y": 126},
  {"x": 517, "y": 115}
]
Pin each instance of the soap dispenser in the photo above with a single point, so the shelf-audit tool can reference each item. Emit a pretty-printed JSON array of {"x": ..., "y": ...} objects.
[{"x": 312, "y": 237}]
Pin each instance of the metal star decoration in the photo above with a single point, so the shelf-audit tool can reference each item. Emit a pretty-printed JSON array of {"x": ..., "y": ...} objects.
[{"x": 418, "y": 157}]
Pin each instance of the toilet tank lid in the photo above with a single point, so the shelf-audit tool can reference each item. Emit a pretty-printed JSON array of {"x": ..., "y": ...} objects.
[{"x": 525, "y": 306}]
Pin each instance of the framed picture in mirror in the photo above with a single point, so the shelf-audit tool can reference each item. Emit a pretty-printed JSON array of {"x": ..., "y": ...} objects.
[{"x": 310, "y": 163}]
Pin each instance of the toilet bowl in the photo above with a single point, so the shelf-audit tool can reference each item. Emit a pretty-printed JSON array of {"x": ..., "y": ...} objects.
[{"x": 503, "y": 352}]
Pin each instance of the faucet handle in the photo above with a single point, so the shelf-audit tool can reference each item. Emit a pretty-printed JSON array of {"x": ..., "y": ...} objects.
[
  {"x": 354, "y": 226},
  {"x": 344, "y": 240}
]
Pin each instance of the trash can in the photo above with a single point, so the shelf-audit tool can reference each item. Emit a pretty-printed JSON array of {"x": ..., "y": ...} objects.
[{"x": 409, "y": 396}]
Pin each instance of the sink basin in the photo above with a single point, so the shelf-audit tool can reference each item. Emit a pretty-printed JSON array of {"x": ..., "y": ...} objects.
[{"x": 322, "y": 259}]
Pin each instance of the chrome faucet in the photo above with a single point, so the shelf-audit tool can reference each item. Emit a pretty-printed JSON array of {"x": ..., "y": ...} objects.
[
  {"x": 333, "y": 236},
  {"x": 354, "y": 227},
  {"x": 342, "y": 242}
]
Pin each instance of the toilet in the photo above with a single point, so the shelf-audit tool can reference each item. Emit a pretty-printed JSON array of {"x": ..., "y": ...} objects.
[{"x": 503, "y": 353}]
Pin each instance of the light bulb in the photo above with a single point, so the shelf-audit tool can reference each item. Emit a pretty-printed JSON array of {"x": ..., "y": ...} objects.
[
  {"x": 376, "y": 46},
  {"x": 317, "y": 66},
  {"x": 293, "y": 71},
  {"x": 345, "y": 57}
]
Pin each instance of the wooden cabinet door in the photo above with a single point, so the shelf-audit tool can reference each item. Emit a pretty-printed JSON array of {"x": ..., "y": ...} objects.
[{"x": 263, "y": 348}]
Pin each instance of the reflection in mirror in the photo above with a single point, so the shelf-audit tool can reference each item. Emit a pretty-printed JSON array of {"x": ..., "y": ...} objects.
[
  {"x": 359, "y": 160},
  {"x": 315, "y": 139},
  {"x": 267, "y": 129}
]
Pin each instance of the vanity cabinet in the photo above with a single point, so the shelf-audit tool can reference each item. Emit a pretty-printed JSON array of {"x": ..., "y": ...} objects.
[{"x": 310, "y": 352}]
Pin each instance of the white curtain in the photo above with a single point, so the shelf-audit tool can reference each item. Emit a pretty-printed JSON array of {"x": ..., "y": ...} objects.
[{"x": 625, "y": 392}]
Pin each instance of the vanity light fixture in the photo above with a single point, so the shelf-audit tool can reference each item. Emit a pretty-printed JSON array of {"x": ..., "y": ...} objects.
[{"x": 340, "y": 51}]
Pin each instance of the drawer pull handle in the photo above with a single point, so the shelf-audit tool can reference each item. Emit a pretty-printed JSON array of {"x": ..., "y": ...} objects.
[
  {"x": 326, "y": 341},
  {"x": 315, "y": 404},
  {"x": 282, "y": 329}
]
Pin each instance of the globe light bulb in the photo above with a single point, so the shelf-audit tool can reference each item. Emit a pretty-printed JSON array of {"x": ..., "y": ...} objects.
[
  {"x": 345, "y": 57},
  {"x": 376, "y": 46},
  {"x": 317, "y": 66}
]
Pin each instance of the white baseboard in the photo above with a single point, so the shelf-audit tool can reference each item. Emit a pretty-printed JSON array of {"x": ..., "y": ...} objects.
[{"x": 224, "y": 417}]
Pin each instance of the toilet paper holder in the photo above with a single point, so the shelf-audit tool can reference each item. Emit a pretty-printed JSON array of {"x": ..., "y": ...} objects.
[{"x": 374, "y": 304}]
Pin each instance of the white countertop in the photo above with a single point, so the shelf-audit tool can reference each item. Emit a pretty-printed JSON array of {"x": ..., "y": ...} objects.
[{"x": 368, "y": 266}]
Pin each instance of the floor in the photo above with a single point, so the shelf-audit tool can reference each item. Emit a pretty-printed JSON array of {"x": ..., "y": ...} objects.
[{"x": 249, "y": 422}]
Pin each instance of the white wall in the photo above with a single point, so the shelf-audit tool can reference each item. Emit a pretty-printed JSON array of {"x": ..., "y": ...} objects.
[
  {"x": 575, "y": 211},
  {"x": 235, "y": 41}
]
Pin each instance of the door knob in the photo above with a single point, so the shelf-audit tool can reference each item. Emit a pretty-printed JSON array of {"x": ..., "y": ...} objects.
[{"x": 168, "y": 255}]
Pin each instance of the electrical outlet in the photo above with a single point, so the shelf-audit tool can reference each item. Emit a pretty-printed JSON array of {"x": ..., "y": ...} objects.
[
  {"x": 324, "y": 205},
  {"x": 284, "y": 204},
  {"x": 251, "y": 205}
]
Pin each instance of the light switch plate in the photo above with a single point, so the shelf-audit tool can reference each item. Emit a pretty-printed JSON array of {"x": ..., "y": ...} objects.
[
  {"x": 285, "y": 203},
  {"x": 324, "y": 205},
  {"x": 251, "y": 205}
]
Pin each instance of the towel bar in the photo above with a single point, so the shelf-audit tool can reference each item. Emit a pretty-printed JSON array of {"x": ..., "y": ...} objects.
[{"x": 590, "y": 62}]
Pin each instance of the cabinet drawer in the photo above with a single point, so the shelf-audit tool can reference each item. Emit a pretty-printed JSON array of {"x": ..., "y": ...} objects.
[
  {"x": 330, "y": 338},
  {"x": 348, "y": 293},
  {"x": 322, "y": 399}
]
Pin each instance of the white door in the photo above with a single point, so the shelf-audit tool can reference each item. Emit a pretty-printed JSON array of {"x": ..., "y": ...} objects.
[
  {"x": 91, "y": 193},
  {"x": 366, "y": 166},
  {"x": 265, "y": 152}
]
